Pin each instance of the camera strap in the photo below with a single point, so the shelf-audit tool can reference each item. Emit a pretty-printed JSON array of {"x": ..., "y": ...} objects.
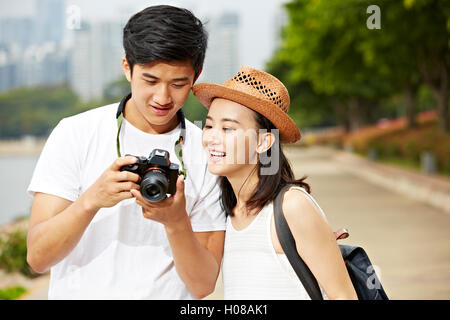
[{"x": 178, "y": 144}]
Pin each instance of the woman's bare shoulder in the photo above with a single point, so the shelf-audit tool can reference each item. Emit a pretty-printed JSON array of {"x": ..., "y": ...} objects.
[{"x": 300, "y": 211}]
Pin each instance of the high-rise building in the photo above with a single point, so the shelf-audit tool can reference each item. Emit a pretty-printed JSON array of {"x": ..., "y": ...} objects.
[
  {"x": 95, "y": 58},
  {"x": 41, "y": 65},
  {"x": 8, "y": 73},
  {"x": 30, "y": 46},
  {"x": 18, "y": 31},
  {"x": 49, "y": 21},
  {"x": 222, "y": 56}
]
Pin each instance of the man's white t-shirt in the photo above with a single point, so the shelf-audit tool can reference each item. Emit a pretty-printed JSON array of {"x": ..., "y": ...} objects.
[{"x": 121, "y": 255}]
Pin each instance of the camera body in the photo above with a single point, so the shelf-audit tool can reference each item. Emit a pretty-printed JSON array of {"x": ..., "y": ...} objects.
[{"x": 158, "y": 175}]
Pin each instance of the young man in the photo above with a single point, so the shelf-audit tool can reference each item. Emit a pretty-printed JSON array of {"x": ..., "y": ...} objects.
[{"x": 89, "y": 222}]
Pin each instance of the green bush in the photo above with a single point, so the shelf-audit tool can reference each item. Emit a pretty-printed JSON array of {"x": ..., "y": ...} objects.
[
  {"x": 407, "y": 146},
  {"x": 12, "y": 293},
  {"x": 446, "y": 166},
  {"x": 13, "y": 253}
]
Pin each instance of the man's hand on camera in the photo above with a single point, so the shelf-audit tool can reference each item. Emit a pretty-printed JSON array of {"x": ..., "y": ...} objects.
[
  {"x": 170, "y": 211},
  {"x": 113, "y": 185}
]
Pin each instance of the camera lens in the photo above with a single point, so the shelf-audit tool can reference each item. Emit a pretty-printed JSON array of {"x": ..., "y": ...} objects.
[
  {"x": 153, "y": 190},
  {"x": 154, "y": 185}
]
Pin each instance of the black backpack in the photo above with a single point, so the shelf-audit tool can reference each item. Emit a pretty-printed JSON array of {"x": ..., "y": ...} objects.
[{"x": 363, "y": 276}]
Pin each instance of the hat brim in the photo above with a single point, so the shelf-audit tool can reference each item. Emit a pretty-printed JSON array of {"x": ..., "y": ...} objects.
[{"x": 207, "y": 92}]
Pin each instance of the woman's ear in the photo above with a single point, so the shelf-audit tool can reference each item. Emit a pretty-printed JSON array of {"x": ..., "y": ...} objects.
[{"x": 265, "y": 142}]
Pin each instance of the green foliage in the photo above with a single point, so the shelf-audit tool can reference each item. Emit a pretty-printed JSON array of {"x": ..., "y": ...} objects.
[
  {"x": 12, "y": 293},
  {"x": 37, "y": 110},
  {"x": 332, "y": 64},
  {"x": 116, "y": 90},
  {"x": 307, "y": 108},
  {"x": 13, "y": 253},
  {"x": 408, "y": 145},
  {"x": 34, "y": 111},
  {"x": 322, "y": 42},
  {"x": 194, "y": 110}
]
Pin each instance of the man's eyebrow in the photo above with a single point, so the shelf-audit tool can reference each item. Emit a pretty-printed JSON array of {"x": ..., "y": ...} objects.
[
  {"x": 181, "y": 79},
  {"x": 148, "y": 75},
  {"x": 224, "y": 119}
]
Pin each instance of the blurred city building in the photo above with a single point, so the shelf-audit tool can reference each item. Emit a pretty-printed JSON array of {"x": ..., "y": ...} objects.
[
  {"x": 45, "y": 43},
  {"x": 31, "y": 47},
  {"x": 95, "y": 58},
  {"x": 222, "y": 57},
  {"x": 42, "y": 49}
]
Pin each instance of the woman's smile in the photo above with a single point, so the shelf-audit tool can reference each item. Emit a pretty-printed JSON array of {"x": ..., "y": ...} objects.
[{"x": 216, "y": 155}]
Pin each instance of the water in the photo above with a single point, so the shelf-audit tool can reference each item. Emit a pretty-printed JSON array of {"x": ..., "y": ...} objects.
[{"x": 15, "y": 175}]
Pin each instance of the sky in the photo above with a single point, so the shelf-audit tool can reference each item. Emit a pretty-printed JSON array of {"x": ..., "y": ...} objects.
[{"x": 258, "y": 31}]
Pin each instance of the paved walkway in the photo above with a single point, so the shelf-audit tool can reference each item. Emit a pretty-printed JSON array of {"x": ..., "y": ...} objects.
[{"x": 407, "y": 239}]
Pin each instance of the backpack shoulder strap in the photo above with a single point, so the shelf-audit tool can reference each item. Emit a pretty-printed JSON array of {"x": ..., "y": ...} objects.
[{"x": 288, "y": 244}]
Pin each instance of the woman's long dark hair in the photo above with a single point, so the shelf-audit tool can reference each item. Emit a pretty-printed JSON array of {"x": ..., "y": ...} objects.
[{"x": 265, "y": 192}]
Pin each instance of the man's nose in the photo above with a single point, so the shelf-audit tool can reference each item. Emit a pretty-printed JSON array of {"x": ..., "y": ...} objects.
[{"x": 162, "y": 96}]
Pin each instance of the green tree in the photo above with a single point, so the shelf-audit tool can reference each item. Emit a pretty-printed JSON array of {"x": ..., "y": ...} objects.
[
  {"x": 194, "y": 110},
  {"x": 307, "y": 108},
  {"x": 321, "y": 43},
  {"x": 430, "y": 32},
  {"x": 394, "y": 52},
  {"x": 327, "y": 44},
  {"x": 34, "y": 111},
  {"x": 413, "y": 47},
  {"x": 116, "y": 90}
]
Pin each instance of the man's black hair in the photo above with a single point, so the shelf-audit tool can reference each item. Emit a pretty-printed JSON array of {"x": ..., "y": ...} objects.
[{"x": 165, "y": 33}]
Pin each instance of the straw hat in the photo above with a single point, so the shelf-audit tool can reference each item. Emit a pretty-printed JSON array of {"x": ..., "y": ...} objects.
[{"x": 258, "y": 91}]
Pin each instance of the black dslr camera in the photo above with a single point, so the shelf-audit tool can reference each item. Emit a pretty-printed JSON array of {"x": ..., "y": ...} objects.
[{"x": 158, "y": 175}]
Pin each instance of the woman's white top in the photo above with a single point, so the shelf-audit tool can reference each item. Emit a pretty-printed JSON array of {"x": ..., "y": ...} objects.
[{"x": 252, "y": 270}]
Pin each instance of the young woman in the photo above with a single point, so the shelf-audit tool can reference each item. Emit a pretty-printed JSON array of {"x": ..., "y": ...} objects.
[{"x": 246, "y": 122}]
